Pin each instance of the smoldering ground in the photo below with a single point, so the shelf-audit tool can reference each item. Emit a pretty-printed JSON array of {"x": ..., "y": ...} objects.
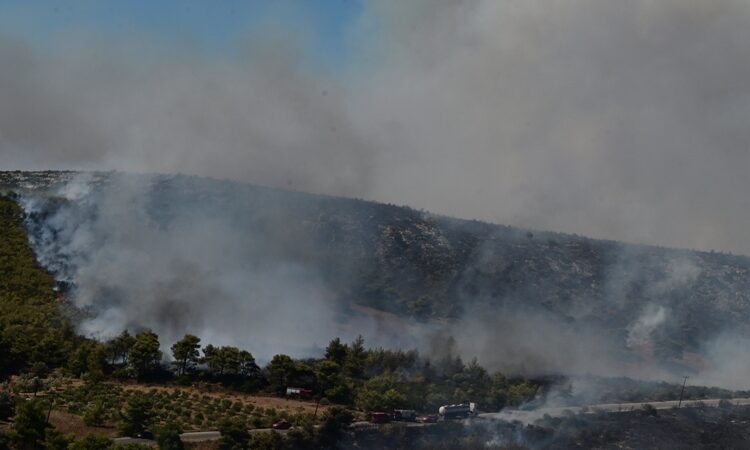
[{"x": 614, "y": 119}]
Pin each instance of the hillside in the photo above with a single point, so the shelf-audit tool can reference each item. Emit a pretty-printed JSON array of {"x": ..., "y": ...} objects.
[
  {"x": 666, "y": 303},
  {"x": 32, "y": 326}
]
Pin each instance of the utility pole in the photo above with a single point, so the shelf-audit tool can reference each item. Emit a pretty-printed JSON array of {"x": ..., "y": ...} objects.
[
  {"x": 684, "y": 380},
  {"x": 51, "y": 404},
  {"x": 315, "y": 415}
]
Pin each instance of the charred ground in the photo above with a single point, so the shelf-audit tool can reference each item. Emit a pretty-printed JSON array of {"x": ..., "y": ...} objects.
[{"x": 686, "y": 428}]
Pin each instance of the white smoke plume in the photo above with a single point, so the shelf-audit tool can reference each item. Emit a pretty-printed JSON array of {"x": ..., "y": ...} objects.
[
  {"x": 604, "y": 118},
  {"x": 198, "y": 271},
  {"x": 639, "y": 332}
]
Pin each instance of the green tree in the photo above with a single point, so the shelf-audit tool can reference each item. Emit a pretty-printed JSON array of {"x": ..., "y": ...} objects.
[
  {"x": 56, "y": 440},
  {"x": 186, "y": 353},
  {"x": 355, "y": 359},
  {"x": 133, "y": 446},
  {"x": 230, "y": 362},
  {"x": 381, "y": 393},
  {"x": 27, "y": 383},
  {"x": 144, "y": 356},
  {"x": 95, "y": 414},
  {"x": 521, "y": 392},
  {"x": 280, "y": 372},
  {"x": 247, "y": 366},
  {"x": 300, "y": 439},
  {"x": 29, "y": 425},
  {"x": 33, "y": 328},
  {"x": 7, "y": 405},
  {"x": 230, "y": 356},
  {"x": 169, "y": 439},
  {"x": 93, "y": 441},
  {"x": 215, "y": 359},
  {"x": 331, "y": 383},
  {"x": 336, "y": 351},
  {"x": 137, "y": 416},
  {"x": 234, "y": 435},
  {"x": 336, "y": 422},
  {"x": 117, "y": 349},
  {"x": 87, "y": 357},
  {"x": 267, "y": 441},
  {"x": 283, "y": 372}
]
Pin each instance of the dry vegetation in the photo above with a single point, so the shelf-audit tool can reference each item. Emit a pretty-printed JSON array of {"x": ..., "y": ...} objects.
[{"x": 191, "y": 409}]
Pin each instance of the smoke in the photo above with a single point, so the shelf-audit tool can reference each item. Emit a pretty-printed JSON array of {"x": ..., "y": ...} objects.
[
  {"x": 533, "y": 343},
  {"x": 275, "y": 272},
  {"x": 728, "y": 362},
  {"x": 639, "y": 333},
  {"x": 614, "y": 119},
  {"x": 140, "y": 256}
]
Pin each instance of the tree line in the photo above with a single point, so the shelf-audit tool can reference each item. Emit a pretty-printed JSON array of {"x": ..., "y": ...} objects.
[{"x": 348, "y": 374}]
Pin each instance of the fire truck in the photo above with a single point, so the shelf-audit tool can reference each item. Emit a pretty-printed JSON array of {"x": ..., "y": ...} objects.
[
  {"x": 460, "y": 411},
  {"x": 404, "y": 415},
  {"x": 300, "y": 393}
]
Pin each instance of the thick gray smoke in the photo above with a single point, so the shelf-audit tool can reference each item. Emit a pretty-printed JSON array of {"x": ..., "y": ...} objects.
[
  {"x": 617, "y": 119},
  {"x": 231, "y": 264},
  {"x": 138, "y": 258}
]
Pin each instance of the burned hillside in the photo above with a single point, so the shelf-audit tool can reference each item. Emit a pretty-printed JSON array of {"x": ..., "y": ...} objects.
[{"x": 659, "y": 303}]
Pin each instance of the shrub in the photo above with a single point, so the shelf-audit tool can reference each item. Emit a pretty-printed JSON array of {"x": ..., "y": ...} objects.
[
  {"x": 257, "y": 421},
  {"x": 93, "y": 442},
  {"x": 168, "y": 438},
  {"x": 55, "y": 440},
  {"x": 7, "y": 406},
  {"x": 137, "y": 417},
  {"x": 30, "y": 424},
  {"x": 234, "y": 435},
  {"x": 649, "y": 410},
  {"x": 95, "y": 414},
  {"x": 133, "y": 446}
]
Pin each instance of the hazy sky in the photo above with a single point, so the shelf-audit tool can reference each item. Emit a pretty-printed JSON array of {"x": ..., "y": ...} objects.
[{"x": 622, "y": 119}]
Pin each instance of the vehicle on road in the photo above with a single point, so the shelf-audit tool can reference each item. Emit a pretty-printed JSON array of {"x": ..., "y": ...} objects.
[
  {"x": 460, "y": 411},
  {"x": 404, "y": 415},
  {"x": 428, "y": 418},
  {"x": 281, "y": 425}
]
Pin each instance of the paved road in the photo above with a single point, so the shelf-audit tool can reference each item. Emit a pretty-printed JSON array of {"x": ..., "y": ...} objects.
[
  {"x": 200, "y": 436},
  {"x": 532, "y": 415},
  {"x": 196, "y": 436},
  {"x": 507, "y": 415}
]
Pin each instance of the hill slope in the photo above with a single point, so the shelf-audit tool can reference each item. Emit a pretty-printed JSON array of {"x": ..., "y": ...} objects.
[
  {"x": 663, "y": 303},
  {"x": 32, "y": 327}
]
